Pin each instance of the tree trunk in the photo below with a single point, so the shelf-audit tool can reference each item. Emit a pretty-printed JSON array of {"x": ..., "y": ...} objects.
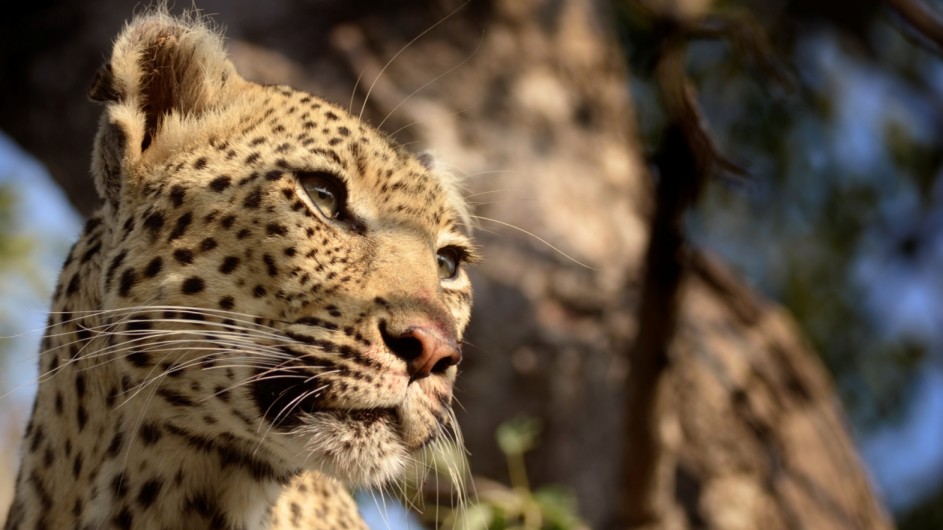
[{"x": 529, "y": 99}]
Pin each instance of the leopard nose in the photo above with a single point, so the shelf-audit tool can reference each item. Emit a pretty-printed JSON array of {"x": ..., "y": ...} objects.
[{"x": 425, "y": 350}]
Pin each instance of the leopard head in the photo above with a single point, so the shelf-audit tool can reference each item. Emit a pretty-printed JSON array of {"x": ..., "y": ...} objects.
[{"x": 276, "y": 272}]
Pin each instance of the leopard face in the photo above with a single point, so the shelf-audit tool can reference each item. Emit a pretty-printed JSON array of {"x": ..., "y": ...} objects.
[
  {"x": 318, "y": 269},
  {"x": 276, "y": 270},
  {"x": 282, "y": 274}
]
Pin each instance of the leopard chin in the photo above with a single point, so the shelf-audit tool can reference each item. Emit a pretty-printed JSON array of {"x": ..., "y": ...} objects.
[{"x": 360, "y": 448}]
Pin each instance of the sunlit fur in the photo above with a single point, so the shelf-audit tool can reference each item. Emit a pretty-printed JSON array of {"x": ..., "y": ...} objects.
[{"x": 215, "y": 355}]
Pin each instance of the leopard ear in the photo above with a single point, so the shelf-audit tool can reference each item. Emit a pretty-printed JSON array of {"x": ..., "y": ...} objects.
[{"x": 160, "y": 66}]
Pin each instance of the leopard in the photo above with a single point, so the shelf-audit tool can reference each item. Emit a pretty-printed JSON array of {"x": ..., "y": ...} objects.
[{"x": 264, "y": 313}]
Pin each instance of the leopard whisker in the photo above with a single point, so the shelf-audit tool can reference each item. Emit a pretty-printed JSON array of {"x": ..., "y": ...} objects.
[
  {"x": 290, "y": 406},
  {"x": 148, "y": 380},
  {"x": 287, "y": 408},
  {"x": 453, "y": 114},
  {"x": 143, "y": 335},
  {"x": 243, "y": 317},
  {"x": 263, "y": 377},
  {"x": 486, "y": 192},
  {"x": 538, "y": 238},
  {"x": 380, "y": 503},
  {"x": 252, "y": 362},
  {"x": 404, "y": 127},
  {"x": 403, "y": 49},
  {"x": 148, "y": 345},
  {"x": 104, "y": 330},
  {"x": 268, "y": 375},
  {"x": 151, "y": 379},
  {"x": 199, "y": 335},
  {"x": 85, "y": 314},
  {"x": 431, "y": 81}
]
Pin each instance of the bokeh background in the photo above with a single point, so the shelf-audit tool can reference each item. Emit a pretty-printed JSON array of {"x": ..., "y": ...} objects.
[{"x": 839, "y": 217}]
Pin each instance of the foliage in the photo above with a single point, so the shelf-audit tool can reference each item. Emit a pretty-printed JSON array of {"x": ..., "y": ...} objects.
[
  {"x": 517, "y": 506},
  {"x": 16, "y": 259},
  {"x": 15, "y": 249}
]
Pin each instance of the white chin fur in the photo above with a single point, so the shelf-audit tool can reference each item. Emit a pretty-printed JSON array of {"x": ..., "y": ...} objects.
[{"x": 357, "y": 453}]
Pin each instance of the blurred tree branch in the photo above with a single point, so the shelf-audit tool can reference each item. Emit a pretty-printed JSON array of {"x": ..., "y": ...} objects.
[
  {"x": 686, "y": 159},
  {"x": 921, "y": 18}
]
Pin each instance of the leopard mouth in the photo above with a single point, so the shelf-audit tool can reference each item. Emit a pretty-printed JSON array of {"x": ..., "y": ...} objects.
[
  {"x": 284, "y": 401},
  {"x": 281, "y": 398},
  {"x": 366, "y": 417}
]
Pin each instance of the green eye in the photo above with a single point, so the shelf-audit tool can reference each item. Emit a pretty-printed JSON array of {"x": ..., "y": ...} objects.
[
  {"x": 448, "y": 260},
  {"x": 326, "y": 191}
]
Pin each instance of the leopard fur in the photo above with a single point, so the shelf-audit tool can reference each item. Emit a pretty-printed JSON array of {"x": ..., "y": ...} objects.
[{"x": 265, "y": 311}]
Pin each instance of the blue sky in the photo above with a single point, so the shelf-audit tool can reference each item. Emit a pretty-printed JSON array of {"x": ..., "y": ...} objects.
[{"x": 47, "y": 220}]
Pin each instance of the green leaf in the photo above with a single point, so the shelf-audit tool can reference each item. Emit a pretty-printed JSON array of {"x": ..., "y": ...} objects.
[
  {"x": 476, "y": 517},
  {"x": 559, "y": 508},
  {"x": 517, "y": 436}
]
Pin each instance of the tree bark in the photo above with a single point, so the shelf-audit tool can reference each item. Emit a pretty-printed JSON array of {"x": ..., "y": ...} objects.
[{"x": 532, "y": 105}]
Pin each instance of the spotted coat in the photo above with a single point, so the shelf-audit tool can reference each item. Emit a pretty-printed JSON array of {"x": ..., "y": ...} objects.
[{"x": 266, "y": 309}]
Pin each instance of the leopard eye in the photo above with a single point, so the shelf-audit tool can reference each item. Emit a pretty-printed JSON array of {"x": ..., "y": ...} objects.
[
  {"x": 326, "y": 191},
  {"x": 448, "y": 259}
]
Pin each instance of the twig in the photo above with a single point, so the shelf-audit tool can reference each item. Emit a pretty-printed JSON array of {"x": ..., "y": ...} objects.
[
  {"x": 923, "y": 19},
  {"x": 682, "y": 170},
  {"x": 687, "y": 158}
]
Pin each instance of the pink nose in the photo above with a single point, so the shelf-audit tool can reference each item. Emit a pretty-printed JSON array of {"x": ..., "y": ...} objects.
[{"x": 425, "y": 350}]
